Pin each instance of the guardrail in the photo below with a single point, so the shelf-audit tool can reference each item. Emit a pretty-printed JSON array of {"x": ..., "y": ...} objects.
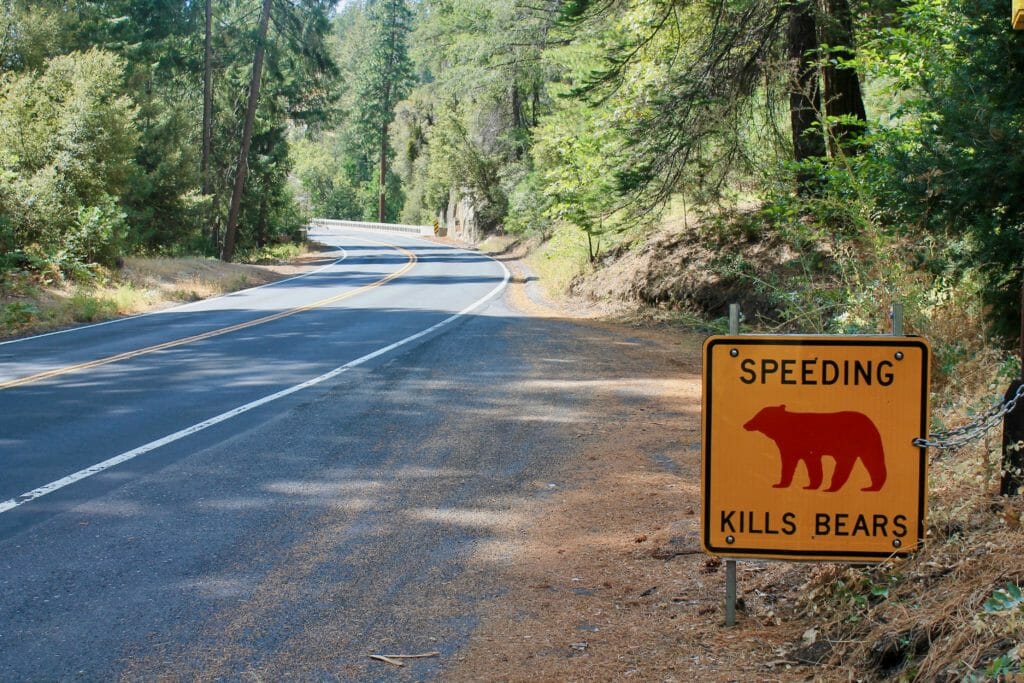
[{"x": 379, "y": 227}]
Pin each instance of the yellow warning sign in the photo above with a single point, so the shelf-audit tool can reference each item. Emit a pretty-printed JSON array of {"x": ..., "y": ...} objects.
[{"x": 807, "y": 446}]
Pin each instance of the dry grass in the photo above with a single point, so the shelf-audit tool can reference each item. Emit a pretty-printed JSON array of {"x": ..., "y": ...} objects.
[
  {"x": 30, "y": 304},
  {"x": 190, "y": 279},
  {"x": 923, "y": 619}
]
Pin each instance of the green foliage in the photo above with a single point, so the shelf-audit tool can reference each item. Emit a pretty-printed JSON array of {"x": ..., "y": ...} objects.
[
  {"x": 100, "y": 142},
  {"x": 330, "y": 190},
  {"x": 463, "y": 130},
  {"x": 338, "y": 160},
  {"x": 467, "y": 163},
  {"x": 67, "y": 144},
  {"x": 17, "y": 314},
  {"x": 591, "y": 114},
  {"x": 576, "y": 155},
  {"x": 562, "y": 257},
  {"x": 953, "y": 154},
  {"x": 1006, "y": 599},
  {"x": 1005, "y": 603},
  {"x": 271, "y": 253},
  {"x": 86, "y": 307},
  {"x": 97, "y": 235}
]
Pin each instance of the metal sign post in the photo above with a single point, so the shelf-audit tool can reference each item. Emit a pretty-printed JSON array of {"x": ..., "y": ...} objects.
[
  {"x": 810, "y": 446},
  {"x": 897, "y": 320},
  {"x": 730, "y": 565}
]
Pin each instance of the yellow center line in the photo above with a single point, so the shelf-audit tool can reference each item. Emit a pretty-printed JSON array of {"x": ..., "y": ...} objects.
[{"x": 224, "y": 330}]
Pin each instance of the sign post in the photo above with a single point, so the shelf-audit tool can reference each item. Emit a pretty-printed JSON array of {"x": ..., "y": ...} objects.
[
  {"x": 730, "y": 565},
  {"x": 808, "y": 447}
]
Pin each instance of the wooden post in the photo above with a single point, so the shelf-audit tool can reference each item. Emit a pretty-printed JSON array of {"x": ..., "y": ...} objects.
[
  {"x": 1013, "y": 454},
  {"x": 1012, "y": 482}
]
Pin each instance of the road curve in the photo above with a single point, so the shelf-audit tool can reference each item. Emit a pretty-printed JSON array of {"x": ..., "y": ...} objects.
[
  {"x": 361, "y": 515},
  {"x": 77, "y": 402}
]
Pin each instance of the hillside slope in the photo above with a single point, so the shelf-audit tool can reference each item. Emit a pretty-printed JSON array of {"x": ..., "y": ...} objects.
[{"x": 614, "y": 566}]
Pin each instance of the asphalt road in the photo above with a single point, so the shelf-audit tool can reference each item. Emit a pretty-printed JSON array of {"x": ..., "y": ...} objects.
[{"x": 279, "y": 482}]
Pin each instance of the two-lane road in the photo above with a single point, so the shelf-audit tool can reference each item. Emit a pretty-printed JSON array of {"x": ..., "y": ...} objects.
[
  {"x": 273, "y": 483},
  {"x": 76, "y": 403},
  {"x": 276, "y": 484}
]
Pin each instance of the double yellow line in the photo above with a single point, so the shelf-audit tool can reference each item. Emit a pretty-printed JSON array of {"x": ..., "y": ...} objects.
[{"x": 21, "y": 381}]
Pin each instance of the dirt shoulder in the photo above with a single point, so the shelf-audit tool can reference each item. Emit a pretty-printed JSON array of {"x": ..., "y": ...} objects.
[{"x": 611, "y": 582}]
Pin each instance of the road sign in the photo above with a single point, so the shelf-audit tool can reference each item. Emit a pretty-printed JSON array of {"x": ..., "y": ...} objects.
[{"x": 808, "y": 446}]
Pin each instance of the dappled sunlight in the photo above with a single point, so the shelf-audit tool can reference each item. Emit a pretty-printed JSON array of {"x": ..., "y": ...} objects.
[
  {"x": 497, "y": 552},
  {"x": 553, "y": 419},
  {"x": 112, "y": 508},
  {"x": 468, "y": 517},
  {"x": 386, "y": 504},
  {"x": 234, "y": 504},
  {"x": 220, "y": 587},
  {"x": 324, "y": 488},
  {"x": 645, "y": 387},
  {"x": 357, "y": 504},
  {"x": 414, "y": 472}
]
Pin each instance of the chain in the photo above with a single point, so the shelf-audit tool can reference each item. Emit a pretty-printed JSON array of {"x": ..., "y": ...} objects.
[{"x": 961, "y": 436}]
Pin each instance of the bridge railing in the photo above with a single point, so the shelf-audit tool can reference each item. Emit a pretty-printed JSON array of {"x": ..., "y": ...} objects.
[{"x": 327, "y": 223}]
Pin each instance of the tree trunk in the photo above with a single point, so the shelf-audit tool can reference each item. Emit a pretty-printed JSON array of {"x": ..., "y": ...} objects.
[
  {"x": 843, "y": 96},
  {"x": 382, "y": 198},
  {"x": 250, "y": 117},
  {"x": 262, "y": 237},
  {"x": 204, "y": 166},
  {"x": 805, "y": 97},
  {"x": 517, "y": 108},
  {"x": 536, "y": 104}
]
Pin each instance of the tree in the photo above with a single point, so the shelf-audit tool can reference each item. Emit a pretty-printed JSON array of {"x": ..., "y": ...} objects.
[
  {"x": 576, "y": 153},
  {"x": 952, "y": 162},
  {"x": 467, "y": 129},
  {"x": 844, "y": 102},
  {"x": 230, "y": 233},
  {"x": 67, "y": 143},
  {"x": 700, "y": 121},
  {"x": 204, "y": 166},
  {"x": 384, "y": 79},
  {"x": 298, "y": 72},
  {"x": 805, "y": 93}
]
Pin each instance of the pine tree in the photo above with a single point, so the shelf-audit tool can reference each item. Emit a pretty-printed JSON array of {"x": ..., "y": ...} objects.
[{"x": 385, "y": 78}]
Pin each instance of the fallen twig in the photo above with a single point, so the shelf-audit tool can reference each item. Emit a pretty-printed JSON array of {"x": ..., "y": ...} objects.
[
  {"x": 389, "y": 660},
  {"x": 394, "y": 659}
]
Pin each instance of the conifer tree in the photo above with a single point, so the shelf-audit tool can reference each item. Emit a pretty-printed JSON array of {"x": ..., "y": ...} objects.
[{"x": 385, "y": 78}]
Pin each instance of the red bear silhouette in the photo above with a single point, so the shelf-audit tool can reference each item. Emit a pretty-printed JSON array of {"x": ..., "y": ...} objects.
[{"x": 846, "y": 436}]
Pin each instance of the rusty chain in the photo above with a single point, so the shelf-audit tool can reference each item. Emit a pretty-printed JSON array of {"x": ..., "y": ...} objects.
[{"x": 955, "y": 439}]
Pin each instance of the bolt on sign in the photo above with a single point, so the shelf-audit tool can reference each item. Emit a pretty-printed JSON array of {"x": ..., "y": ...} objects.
[{"x": 807, "y": 446}]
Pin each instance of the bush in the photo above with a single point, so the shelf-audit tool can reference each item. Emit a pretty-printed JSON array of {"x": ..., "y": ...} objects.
[
  {"x": 67, "y": 146},
  {"x": 97, "y": 235}
]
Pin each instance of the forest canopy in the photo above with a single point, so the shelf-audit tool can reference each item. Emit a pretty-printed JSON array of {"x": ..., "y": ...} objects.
[{"x": 881, "y": 140}]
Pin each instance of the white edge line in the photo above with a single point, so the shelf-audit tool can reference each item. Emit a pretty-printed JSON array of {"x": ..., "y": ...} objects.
[
  {"x": 344, "y": 255},
  {"x": 223, "y": 417}
]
